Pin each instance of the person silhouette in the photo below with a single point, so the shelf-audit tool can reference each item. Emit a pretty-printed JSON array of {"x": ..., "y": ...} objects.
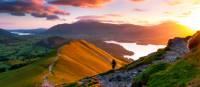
[{"x": 113, "y": 64}]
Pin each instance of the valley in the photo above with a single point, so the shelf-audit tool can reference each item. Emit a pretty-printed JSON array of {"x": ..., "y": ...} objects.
[{"x": 99, "y": 43}]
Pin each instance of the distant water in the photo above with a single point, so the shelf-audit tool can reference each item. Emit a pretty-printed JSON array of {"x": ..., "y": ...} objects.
[
  {"x": 21, "y": 33},
  {"x": 139, "y": 50}
]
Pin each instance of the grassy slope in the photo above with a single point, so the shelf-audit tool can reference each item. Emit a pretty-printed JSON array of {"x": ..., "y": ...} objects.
[
  {"x": 185, "y": 72},
  {"x": 79, "y": 59},
  {"x": 28, "y": 76}
]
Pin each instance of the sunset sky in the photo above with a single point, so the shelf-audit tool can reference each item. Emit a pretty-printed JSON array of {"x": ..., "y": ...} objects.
[{"x": 30, "y": 14}]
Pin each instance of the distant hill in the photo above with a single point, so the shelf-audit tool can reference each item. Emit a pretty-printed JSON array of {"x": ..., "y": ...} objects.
[
  {"x": 73, "y": 61},
  {"x": 52, "y": 42},
  {"x": 7, "y": 37},
  {"x": 157, "y": 34},
  {"x": 113, "y": 49},
  {"x": 4, "y": 33}
]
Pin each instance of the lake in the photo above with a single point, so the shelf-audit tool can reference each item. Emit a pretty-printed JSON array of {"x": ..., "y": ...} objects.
[
  {"x": 139, "y": 50},
  {"x": 21, "y": 33}
]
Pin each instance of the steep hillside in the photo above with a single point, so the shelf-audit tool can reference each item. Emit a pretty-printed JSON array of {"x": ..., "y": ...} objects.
[
  {"x": 183, "y": 73},
  {"x": 157, "y": 34},
  {"x": 79, "y": 59},
  {"x": 73, "y": 61},
  {"x": 174, "y": 66}
]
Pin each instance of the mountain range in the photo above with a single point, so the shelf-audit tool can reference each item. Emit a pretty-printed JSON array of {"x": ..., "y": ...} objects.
[{"x": 91, "y": 30}]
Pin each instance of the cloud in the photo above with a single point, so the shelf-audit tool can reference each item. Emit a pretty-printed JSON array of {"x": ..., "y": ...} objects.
[
  {"x": 6, "y": 23},
  {"x": 37, "y": 8},
  {"x": 52, "y": 17},
  {"x": 106, "y": 18},
  {"x": 81, "y": 3},
  {"x": 137, "y": 0},
  {"x": 139, "y": 10},
  {"x": 18, "y": 13},
  {"x": 98, "y": 17},
  {"x": 103, "y": 21},
  {"x": 90, "y": 17},
  {"x": 181, "y": 2},
  {"x": 174, "y": 2}
]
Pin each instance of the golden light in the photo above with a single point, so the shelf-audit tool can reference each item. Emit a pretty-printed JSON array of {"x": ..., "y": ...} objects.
[{"x": 192, "y": 21}]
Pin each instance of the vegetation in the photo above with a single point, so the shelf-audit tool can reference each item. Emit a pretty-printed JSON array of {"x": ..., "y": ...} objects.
[
  {"x": 177, "y": 75},
  {"x": 143, "y": 77},
  {"x": 28, "y": 76},
  {"x": 20, "y": 53},
  {"x": 146, "y": 60}
]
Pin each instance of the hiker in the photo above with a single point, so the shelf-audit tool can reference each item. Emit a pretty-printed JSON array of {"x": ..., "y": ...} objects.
[{"x": 113, "y": 64}]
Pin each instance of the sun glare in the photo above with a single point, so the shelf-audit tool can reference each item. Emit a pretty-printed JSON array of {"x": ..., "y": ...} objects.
[{"x": 192, "y": 21}]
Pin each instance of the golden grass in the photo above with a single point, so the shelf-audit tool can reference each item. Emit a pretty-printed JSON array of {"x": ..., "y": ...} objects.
[{"x": 80, "y": 59}]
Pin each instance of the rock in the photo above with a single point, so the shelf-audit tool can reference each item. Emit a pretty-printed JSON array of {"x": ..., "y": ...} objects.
[
  {"x": 194, "y": 41},
  {"x": 176, "y": 47}
]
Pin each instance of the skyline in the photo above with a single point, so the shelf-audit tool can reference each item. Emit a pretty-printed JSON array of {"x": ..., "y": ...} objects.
[{"x": 32, "y": 14}]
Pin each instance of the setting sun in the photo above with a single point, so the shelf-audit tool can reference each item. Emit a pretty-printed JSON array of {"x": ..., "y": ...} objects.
[{"x": 192, "y": 21}]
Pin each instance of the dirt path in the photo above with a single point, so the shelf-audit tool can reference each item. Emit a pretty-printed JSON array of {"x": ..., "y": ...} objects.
[{"x": 46, "y": 82}]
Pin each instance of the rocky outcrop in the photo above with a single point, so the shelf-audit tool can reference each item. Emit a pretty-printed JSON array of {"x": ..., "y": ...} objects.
[
  {"x": 194, "y": 40},
  {"x": 176, "y": 48}
]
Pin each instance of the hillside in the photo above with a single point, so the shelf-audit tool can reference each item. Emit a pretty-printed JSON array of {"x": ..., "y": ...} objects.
[
  {"x": 127, "y": 75},
  {"x": 73, "y": 61},
  {"x": 6, "y": 37},
  {"x": 175, "y": 66},
  {"x": 90, "y": 30},
  {"x": 183, "y": 73},
  {"x": 28, "y": 76},
  {"x": 113, "y": 49},
  {"x": 79, "y": 59},
  {"x": 5, "y": 33}
]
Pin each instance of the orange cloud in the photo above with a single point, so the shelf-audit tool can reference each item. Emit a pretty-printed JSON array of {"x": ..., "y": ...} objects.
[
  {"x": 139, "y": 10},
  {"x": 175, "y": 2},
  {"x": 178, "y": 2},
  {"x": 98, "y": 17},
  {"x": 137, "y": 0},
  {"x": 81, "y": 3},
  {"x": 106, "y": 18}
]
